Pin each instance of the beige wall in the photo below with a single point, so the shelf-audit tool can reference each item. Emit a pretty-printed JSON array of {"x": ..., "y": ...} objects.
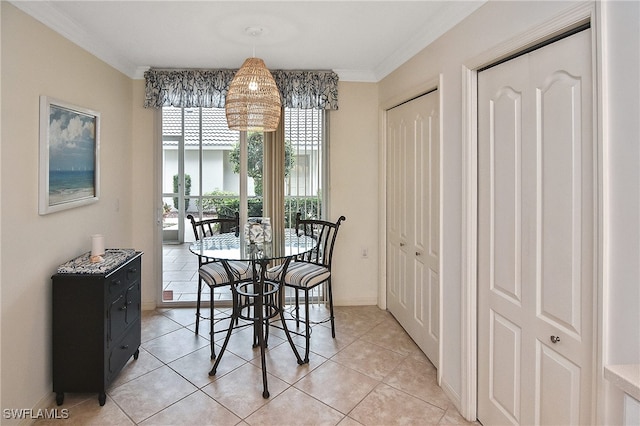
[
  {"x": 36, "y": 61},
  {"x": 146, "y": 235},
  {"x": 353, "y": 162}
]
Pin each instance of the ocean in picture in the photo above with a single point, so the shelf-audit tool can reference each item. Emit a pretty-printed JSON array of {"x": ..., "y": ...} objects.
[{"x": 70, "y": 185}]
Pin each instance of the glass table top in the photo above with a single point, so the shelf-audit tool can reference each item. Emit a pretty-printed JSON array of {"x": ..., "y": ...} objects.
[{"x": 229, "y": 246}]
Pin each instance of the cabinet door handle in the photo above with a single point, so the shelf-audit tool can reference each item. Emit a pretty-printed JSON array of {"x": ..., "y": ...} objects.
[
  {"x": 402, "y": 244},
  {"x": 115, "y": 282},
  {"x": 418, "y": 253},
  {"x": 554, "y": 339},
  {"x": 123, "y": 308},
  {"x": 124, "y": 347}
]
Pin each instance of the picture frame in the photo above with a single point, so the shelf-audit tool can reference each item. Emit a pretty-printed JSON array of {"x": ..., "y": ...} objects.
[{"x": 69, "y": 156}]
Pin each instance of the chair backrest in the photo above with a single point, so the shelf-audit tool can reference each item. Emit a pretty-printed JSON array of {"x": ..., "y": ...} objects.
[
  {"x": 207, "y": 227},
  {"x": 325, "y": 233}
]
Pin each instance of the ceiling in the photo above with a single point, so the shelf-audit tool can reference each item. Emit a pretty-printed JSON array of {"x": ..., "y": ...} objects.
[{"x": 359, "y": 40}]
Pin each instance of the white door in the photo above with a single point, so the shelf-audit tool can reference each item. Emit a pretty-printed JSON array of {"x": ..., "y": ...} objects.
[
  {"x": 536, "y": 237},
  {"x": 413, "y": 205}
]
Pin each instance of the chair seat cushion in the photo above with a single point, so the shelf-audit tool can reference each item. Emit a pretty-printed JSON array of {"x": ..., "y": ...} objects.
[
  {"x": 301, "y": 274},
  {"x": 214, "y": 273}
]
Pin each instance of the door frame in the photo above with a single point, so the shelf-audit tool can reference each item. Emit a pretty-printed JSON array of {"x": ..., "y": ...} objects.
[{"x": 573, "y": 17}]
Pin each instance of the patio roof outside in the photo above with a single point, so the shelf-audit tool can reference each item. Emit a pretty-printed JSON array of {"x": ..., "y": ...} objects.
[{"x": 302, "y": 127}]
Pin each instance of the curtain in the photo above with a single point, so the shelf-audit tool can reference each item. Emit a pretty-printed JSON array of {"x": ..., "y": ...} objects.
[
  {"x": 307, "y": 89},
  {"x": 273, "y": 183},
  {"x": 208, "y": 88},
  {"x": 187, "y": 88}
]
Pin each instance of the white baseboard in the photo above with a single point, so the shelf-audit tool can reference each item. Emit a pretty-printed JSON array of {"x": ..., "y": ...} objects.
[
  {"x": 364, "y": 301},
  {"x": 453, "y": 396}
]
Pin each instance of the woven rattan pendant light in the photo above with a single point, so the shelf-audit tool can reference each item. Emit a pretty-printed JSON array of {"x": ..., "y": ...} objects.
[{"x": 253, "y": 100}]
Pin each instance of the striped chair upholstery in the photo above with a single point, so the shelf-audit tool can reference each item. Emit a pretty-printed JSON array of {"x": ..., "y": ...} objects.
[
  {"x": 215, "y": 275},
  {"x": 301, "y": 274}
]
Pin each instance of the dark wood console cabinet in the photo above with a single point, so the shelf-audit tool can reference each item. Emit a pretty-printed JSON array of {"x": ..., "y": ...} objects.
[{"x": 96, "y": 327}]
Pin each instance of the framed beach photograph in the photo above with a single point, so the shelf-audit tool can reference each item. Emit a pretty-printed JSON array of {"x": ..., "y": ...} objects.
[{"x": 69, "y": 156}]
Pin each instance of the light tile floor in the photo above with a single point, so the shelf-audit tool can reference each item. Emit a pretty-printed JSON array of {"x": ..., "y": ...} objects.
[
  {"x": 372, "y": 373},
  {"x": 180, "y": 276}
]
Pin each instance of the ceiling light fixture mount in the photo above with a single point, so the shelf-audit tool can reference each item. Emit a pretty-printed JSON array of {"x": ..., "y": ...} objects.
[
  {"x": 254, "y": 31},
  {"x": 253, "y": 100}
]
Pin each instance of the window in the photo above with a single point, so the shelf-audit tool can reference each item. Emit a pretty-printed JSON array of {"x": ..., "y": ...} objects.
[{"x": 305, "y": 129}]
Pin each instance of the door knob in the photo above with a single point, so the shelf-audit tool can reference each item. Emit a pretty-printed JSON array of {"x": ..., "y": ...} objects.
[{"x": 555, "y": 339}]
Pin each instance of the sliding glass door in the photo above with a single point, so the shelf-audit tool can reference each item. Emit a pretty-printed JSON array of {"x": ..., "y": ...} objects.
[{"x": 199, "y": 178}]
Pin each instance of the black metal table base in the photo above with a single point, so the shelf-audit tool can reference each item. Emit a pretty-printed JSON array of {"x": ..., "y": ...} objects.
[{"x": 258, "y": 302}]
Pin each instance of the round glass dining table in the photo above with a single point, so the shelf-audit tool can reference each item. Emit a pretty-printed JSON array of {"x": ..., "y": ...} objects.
[
  {"x": 259, "y": 299},
  {"x": 232, "y": 246}
]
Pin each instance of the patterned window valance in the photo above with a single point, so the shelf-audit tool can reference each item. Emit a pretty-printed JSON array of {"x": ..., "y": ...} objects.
[{"x": 208, "y": 88}]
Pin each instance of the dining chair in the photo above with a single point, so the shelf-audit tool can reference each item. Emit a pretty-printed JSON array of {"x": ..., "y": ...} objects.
[
  {"x": 218, "y": 225},
  {"x": 212, "y": 272},
  {"x": 310, "y": 270}
]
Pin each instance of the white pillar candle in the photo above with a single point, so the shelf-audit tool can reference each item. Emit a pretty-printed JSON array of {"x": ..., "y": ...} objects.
[{"x": 97, "y": 245}]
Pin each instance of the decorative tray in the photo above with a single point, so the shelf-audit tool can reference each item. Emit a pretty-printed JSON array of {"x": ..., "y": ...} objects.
[{"x": 83, "y": 265}]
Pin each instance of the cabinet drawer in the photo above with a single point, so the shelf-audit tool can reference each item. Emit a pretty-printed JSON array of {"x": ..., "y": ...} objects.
[
  {"x": 124, "y": 277},
  {"x": 116, "y": 283},
  {"x": 120, "y": 353}
]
